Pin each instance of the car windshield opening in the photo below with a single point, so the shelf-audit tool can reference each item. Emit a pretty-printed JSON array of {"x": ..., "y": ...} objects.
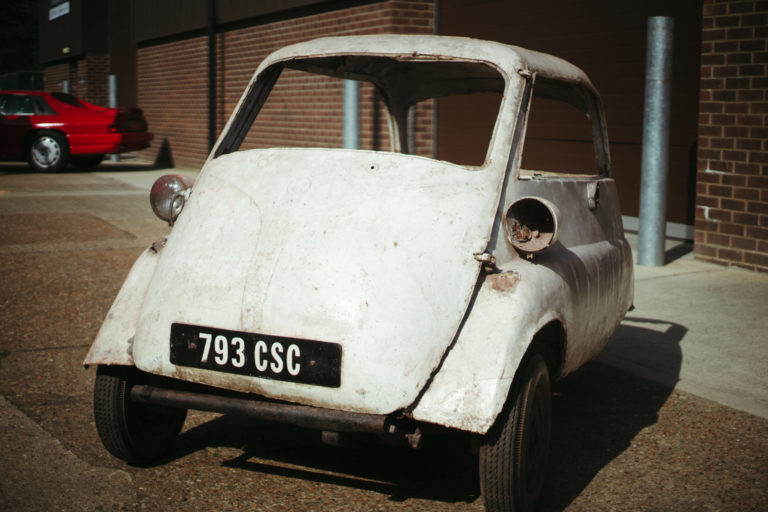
[{"x": 398, "y": 107}]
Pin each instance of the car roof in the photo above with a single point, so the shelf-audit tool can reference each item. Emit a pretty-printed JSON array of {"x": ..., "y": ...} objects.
[
  {"x": 18, "y": 91},
  {"x": 508, "y": 58}
]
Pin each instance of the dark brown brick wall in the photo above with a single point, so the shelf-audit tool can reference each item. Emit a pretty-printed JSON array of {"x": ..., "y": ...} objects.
[
  {"x": 55, "y": 75},
  {"x": 732, "y": 184},
  {"x": 172, "y": 82},
  {"x": 88, "y": 77},
  {"x": 93, "y": 79}
]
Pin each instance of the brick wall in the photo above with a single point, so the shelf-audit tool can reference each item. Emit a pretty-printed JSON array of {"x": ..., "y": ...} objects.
[
  {"x": 88, "y": 78},
  {"x": 172, "y": 83},
  {"x": 53, "y": 76},
  {"x": 173, "y": 92},
  {"x": 732, "y": 182},
  {"x": 92, "y": 83}
]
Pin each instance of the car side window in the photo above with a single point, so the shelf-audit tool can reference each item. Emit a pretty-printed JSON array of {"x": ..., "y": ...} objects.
[
  {"x": 68, "y": 99},
  {"x": 558, "y": 140},
  {"x": 16, "y": 105},
  {"x": 566, "y": 133},
  {"x": 41, "y": 106}
]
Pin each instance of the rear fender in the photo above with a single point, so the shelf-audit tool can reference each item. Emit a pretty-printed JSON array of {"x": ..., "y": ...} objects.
[
  {"x": 114, "y": 342},
  {"x": 471, "y": 387}
]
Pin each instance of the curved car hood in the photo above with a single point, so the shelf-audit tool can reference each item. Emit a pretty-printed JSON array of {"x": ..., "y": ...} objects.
[{"x": 373, "y": 251}]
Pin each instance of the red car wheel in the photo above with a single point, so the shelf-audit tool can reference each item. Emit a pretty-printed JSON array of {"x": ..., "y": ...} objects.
[{"x": 48, "y": 152}]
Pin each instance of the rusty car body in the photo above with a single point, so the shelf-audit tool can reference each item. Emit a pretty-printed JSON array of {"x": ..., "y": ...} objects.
[{"x": 374, "y": 290}]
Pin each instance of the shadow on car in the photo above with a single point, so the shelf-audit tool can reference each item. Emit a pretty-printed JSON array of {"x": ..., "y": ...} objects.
[{"x": 593, "y": 424}]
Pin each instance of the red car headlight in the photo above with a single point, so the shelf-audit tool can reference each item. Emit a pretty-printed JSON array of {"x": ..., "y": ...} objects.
[{"x": 168, "y": 195}]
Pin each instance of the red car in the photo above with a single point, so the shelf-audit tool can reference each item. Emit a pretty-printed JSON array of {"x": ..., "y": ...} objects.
[{"x": 50, "y": 130}]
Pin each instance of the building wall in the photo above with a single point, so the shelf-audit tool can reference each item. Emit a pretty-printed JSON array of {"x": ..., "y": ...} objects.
[
  {"x": 608, "y": 41},
  {"x": 93, "y": 79},
  {"x": 88, "y": 77},
  {"x": 172, "y": 78},
  {"x": 172, "y": 89},
  {"x": 732, "y": 185},
  {"x": 55, "y": 74}
]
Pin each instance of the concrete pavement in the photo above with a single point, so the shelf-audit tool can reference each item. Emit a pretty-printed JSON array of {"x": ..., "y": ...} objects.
[
  {"x": 700, "y": 328},
  {"x": 32, "y": 461}
]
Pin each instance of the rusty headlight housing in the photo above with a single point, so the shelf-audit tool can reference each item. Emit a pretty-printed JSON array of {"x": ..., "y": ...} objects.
[
  {"x": 168, "y": 195},
  {"x": 532, "y": 224}
]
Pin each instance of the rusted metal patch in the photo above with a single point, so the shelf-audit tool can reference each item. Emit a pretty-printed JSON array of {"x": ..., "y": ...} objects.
[
  {"x": 504, "y": 281},
  {"x": 158, "y": 245}
]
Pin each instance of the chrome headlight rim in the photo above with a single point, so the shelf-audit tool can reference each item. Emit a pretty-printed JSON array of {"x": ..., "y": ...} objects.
[{"x": 168, "y": 195}]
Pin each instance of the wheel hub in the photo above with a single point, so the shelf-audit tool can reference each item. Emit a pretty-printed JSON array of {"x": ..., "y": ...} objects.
[{"x": 46, "y": 151}]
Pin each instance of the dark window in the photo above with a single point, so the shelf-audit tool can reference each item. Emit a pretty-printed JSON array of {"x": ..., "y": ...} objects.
[
  {"x": 41, "y": 106},
  {"x": 558, "y": 139},
  {"x": 16, "y": 105},
  {"x": 466, "y": 123},
  {"x": 68, "y": 99},
  {"x": 24, "y": 105}
]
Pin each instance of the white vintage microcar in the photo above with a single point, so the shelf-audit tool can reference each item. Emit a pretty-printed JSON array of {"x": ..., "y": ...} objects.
[{"x": 376, "y": 290}]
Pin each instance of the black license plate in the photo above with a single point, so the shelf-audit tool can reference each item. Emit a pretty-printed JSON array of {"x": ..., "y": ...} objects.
[{"x": 256, "y": 355}]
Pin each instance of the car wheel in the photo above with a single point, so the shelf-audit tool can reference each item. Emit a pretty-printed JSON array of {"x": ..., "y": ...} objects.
[
  {"x": 136, "y": 433},
  {"x": 48, "y": 152},
  {"x": 87, "y": 162},
  {"x": 513, "y": 456}
]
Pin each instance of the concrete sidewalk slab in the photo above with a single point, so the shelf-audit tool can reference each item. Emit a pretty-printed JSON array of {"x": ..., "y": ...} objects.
[
  {"x": 698, "y": 327},
  {"x": 37, "y": 473}
]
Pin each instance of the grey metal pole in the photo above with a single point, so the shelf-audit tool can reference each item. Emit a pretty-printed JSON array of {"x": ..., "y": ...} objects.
[
  {"x": 211, "y": 74},
  {"x": 655, "y": 159},
  {"x": 113, "y": 103},
  {"x": 351, "y": 115}
]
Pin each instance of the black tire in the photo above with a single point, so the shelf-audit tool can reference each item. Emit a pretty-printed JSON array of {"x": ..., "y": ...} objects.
[
  {"x": 48, "y": 151},
  {"x": 86, "y": 162},
  {"x": 514, "y": 453},
  {"x": 136, "y": 433}
]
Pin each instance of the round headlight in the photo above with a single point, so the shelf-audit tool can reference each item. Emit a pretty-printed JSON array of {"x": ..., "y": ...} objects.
[
  {"x": 532, "y": 224},
  {"x": 168, "y": 195}
]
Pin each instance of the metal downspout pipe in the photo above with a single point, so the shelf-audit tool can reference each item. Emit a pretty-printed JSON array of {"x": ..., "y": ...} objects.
[
  {"x": 211, "y": 74},
  {"x": 655, "y": 159},
  {"x": 112, "y": 82},
  {"x": 351, "y": 115}
]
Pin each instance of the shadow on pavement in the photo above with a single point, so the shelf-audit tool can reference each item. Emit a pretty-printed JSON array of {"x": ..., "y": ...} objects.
[
  {"x": 597, "y": 412},
  {"x": 678, "y": 251}
]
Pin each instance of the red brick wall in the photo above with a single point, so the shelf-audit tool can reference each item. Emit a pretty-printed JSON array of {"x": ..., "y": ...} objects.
[
  {"x": 732, "y": 184},
  {"x": 93, "y": 79},
  {"x": 173, "y": 92},
  {"x": 88, "y": 78},
  {"x": 172, "y": 83},
  {"x": 54, "y": 75}
]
